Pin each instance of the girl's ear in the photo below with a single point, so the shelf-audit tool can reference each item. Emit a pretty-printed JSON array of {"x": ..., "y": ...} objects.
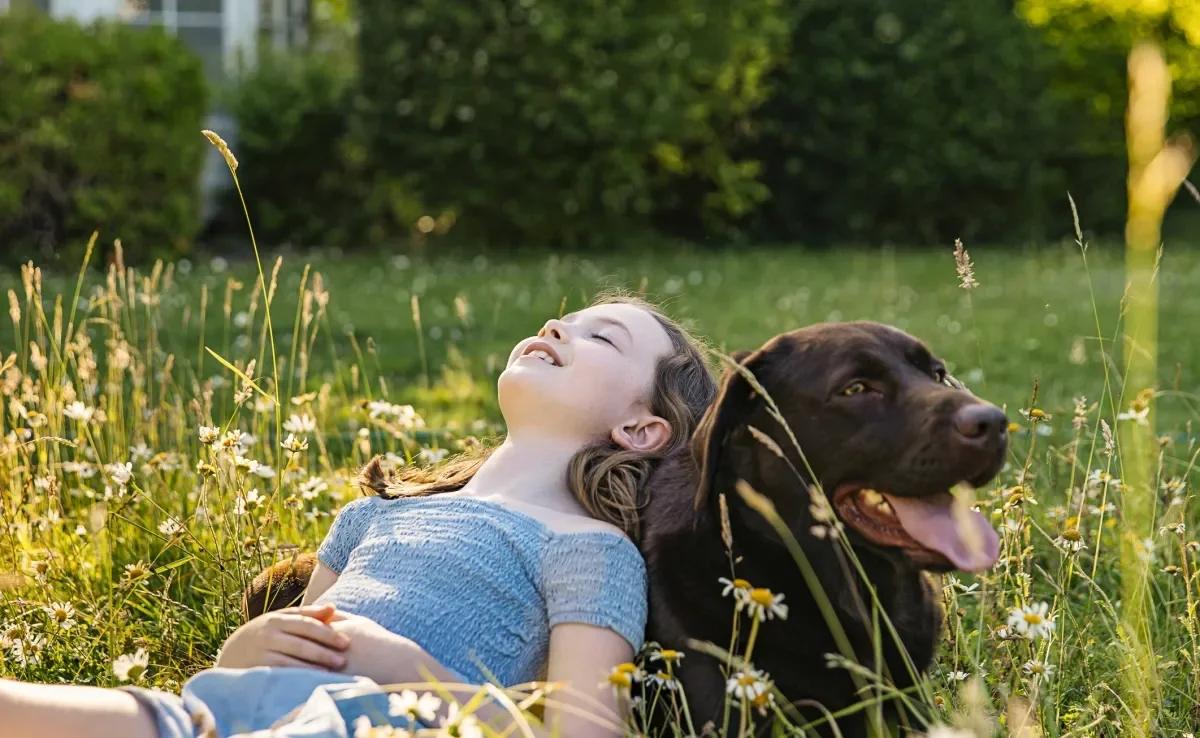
[{"x": 648, "y": 434}]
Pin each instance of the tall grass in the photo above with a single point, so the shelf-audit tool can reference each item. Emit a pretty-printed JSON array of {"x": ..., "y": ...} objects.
[{"x": 139, "y": 492}]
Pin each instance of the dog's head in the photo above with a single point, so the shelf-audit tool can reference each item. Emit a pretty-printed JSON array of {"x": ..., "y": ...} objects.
[{"x": 884, "y": 431}]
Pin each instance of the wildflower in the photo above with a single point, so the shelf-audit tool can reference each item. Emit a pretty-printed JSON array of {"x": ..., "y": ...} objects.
[
  {"x": 957, "y": 676},
  {"x": 209, "y": 435},
  {"x": 140, "y": 452},
  {"x": 1176, "y": 528},
  {"x": 663, "y": 679},
  {"x": 1097, "y": 479},
  {"x": 455, "y": 725},
  {"x": 80, "y": 412},
  {"x": 40, "y": 569},
  {"x": 62, "y": 613},
  {"x": 746, "y": 684},
  {"x": 261, "y": 470},
  {"x": 668, "y": 655},
  {"x": 1138, "y": 412},
  {"x": 304, "y": 399},
  {"x": 1036, "y": 414},
  {"x": 1171, "y": 569},
  {"x": 433, "y": 455},
  {"x": 1070, "y": 541},
  {"x": 310, "y": 488},
  {"x": 1175, "y": 486},
  {"x": 1106, "y": 509},
  {"x": 764, "y": 604},
  {"x": 364, "y": 729},
  {"x": 300, "y": 424},
  {"x": 740, "y": 589},
  {"x": 380, "y": 407},
  {"x": 131, "y": 667},
  {"x": 621, "y": 680},
  {"x": 1038, "y": 670},
  {"x": 120, "y": 473},
  {"x": 28, "y": 650},
  {"x": 962, "y": 261},
  {"x": 136, "y": 571},
  {"x": 293, "y": 503},
  {"x": 80, "y": 530},
  {"x": 408, "y": 703},
  {"x": 293, "y": 445},
  {"x": 1031, "y": 621},
  {"x": 170, "y": 526}
]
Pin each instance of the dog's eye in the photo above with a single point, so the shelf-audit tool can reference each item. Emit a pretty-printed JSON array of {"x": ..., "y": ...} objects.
[{"x": 854, "y": 388}]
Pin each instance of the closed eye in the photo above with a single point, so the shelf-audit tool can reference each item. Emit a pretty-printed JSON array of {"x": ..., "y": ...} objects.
[{"x": 605, "y": 339}]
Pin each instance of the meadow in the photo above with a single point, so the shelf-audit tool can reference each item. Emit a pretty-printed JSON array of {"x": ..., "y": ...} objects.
[{"x": 166, "y": 437}]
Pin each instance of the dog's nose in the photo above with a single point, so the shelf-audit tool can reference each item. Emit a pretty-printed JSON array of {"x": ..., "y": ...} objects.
[{"x": 980, "y": 422}]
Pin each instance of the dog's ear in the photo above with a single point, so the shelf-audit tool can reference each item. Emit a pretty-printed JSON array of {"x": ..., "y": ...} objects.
[{"x": 734, "y": 401}]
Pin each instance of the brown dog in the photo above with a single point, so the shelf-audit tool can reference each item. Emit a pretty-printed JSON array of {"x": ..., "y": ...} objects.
[{"x": 886, "y": 434}]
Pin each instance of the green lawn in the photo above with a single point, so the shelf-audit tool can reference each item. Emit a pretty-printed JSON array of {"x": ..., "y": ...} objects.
[{"x": 1043, "y": 315}]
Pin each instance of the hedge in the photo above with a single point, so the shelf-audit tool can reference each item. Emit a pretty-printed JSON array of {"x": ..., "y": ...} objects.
[{"x": 99, "y": 131}]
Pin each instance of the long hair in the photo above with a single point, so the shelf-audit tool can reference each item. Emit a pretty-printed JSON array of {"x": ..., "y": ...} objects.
[{"x": 609, "y": 481}]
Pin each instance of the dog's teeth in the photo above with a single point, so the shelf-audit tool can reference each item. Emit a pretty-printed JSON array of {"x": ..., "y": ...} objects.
[
  {"x": 871, "y": 497},
  {"x": 885, "y": 507}
]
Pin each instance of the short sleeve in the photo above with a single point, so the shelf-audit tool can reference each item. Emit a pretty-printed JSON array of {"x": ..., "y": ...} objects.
[
  {"x": 346, "y": 532},
  {"x": 598, "y": 578}
]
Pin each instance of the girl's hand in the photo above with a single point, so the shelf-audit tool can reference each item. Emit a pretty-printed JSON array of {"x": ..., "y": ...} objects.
[
  {"x": 294, "y": 636},
  {"x": 376, "y": 652}
]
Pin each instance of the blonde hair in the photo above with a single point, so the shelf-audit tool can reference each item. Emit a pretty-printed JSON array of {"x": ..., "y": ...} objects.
[{"x": 609, "y": 481}]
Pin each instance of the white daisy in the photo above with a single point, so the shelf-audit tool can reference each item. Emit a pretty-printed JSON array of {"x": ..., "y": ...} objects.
[
  {"x": 78, "y": 411},
  {"x": 747, "y": 684},
  {"x": 312, "y": 487},
  {"x": 739, "y": 588},
  {"x": 408, "y": 703},
  {"x": 364, "y": 729},
  {"x": 209, "y": 435},
  {"x": 131, "y": 666},
  {"x": 170, "y": 526},
  {"x": 459, "y": 726},
  {"x": 62, "y": 613},
  {"x": 764, "y": 604},
  {"x": 1038, "y": 670},
  {"x": 120, "y": 473},
  {"x": 300, "y": 424},
  {"x": 1031, "y": 621}
]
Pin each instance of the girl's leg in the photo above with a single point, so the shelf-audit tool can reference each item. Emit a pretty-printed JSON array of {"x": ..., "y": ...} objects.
[{"x": 63, "y": 711}]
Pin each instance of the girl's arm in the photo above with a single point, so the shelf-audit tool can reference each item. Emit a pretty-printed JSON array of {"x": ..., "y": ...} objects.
[
  {"x": 322, "y": 579},
  {"x": 581, "y": 656}
]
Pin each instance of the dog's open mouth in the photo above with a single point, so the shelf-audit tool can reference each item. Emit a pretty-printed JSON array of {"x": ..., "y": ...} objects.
[{"x": 933, "y": 530}]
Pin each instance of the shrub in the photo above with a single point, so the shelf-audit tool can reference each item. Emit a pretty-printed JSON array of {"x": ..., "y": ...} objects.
[
  {"x": 306, "y": 177},
  {"x": 906, "y": 120},
  {"x": 99, "y": 130},
  {"x": 556, "y": 121}
]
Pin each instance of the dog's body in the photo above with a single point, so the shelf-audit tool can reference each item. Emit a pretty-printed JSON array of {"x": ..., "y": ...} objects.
[{"x": 908, "y": 440}]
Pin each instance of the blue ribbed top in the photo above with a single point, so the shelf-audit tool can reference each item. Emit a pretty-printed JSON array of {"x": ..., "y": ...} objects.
[{"x": 478, "y": 584}]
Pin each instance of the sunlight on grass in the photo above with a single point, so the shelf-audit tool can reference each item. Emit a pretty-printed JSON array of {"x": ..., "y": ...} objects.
[{"x": 150, "y": 467}]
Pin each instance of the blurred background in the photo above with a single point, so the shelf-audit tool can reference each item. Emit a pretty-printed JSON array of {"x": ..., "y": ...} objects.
[
  {"x": 383, "y": 125},
  {"x": 760, "y": 164}
]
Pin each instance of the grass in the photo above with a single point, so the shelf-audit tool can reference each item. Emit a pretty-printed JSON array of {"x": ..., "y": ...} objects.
[{"x": 99, "y": 561}]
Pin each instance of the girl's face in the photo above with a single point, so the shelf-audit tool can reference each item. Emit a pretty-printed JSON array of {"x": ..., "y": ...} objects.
[{"x": 589, "y": 376}]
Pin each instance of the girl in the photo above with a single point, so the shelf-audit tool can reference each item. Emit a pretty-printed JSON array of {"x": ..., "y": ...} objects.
[{"x": 511, "y": 566}]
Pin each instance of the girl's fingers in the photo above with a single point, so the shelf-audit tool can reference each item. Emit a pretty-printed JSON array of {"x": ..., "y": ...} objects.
[
  {"x": 305, "y": 650},
  {"x": 313, "y": 630},
  {"x": 281, "y": 659}
]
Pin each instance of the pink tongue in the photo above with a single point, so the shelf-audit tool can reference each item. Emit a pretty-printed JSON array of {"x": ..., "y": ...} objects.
[{"x": 970, "y": 542}]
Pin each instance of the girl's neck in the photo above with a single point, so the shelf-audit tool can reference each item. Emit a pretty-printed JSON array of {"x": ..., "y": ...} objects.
[{"x": 529, "y": 471}]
